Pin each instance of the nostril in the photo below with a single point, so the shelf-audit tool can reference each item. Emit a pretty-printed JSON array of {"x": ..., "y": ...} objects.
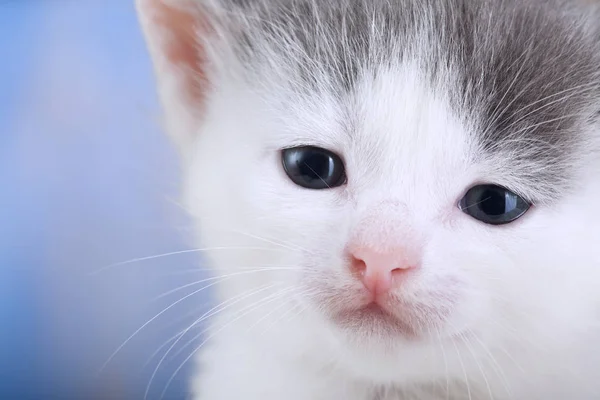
[{"x": 357, "y": 266}]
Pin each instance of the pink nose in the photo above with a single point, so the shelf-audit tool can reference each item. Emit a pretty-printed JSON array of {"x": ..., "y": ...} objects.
[{"x": 378, "y": 271}]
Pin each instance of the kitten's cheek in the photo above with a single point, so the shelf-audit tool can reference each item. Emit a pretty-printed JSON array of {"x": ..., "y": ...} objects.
[{"x": 470, "y": 312}]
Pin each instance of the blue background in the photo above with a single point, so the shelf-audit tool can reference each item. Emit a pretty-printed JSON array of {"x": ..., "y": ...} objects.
[{"x": 86, "y": 180}]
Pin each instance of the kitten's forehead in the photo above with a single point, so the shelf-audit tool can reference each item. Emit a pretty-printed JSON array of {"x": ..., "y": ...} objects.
[
  {"x": 404, "y": 139},
  {"x": 524, "y": 74}
]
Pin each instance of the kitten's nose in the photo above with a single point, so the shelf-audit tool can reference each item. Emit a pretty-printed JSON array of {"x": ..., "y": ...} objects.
[{"x": 379, "y": 271}]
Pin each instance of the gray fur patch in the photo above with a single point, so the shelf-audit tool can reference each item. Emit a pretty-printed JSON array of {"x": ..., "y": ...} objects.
[{"x": 526, "y": 73}]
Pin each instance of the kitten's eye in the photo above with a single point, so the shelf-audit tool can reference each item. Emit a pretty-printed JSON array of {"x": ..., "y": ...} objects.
[
  {"x": 492, "y": 204},
  {"x": 313, "y": 167}
]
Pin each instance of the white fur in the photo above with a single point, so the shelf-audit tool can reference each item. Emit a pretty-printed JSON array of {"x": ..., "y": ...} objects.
[{"x": 525, "y": 325}]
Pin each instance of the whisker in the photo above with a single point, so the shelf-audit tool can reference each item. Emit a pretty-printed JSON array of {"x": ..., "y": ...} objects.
[
  {"x": 291, "y": 299},
  {"x": 497, "y": 367},
  {"x": 282, "y": 317},
  {"x": 479, "y": 366},
  {"x": 177, "y": 321},
  {"x": 174, "y": 253},
  {"x": 510, "y": 357},
  {"x": 212, "y": 269},
  {"x": 220, "y": 307},
  {"x": 276, "y": 241},
  {"x": 162, "y": 346},
  {"x": 154, "y": 318},
  {"x": 204, "y": 342},
  {"x": 288, "y": 246},
  {"x": 251, "y": 307},
  {"x": 523, "y": 340},
  {"x": 439, "y": 338},
  {"x": 187, "y": 285},
  {"x": 264, "y": 317},
  {"x": 462, "y": 364}
]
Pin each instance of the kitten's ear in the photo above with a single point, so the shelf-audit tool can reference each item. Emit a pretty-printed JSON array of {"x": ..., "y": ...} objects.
[{"x": 172, "y": 29}]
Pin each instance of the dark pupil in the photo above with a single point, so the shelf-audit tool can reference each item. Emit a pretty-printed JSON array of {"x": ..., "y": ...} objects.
[
  {"x": 494, "y": 202},
  {"x": 314, "y": 166}
]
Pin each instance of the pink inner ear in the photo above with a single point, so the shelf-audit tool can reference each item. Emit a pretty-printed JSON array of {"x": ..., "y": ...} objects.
[{"x": 181, "y": 45}]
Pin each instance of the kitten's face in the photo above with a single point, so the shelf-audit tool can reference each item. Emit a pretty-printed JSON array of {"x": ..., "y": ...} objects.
[
  {"x": 409, "y": 160},
  {"x": 405, "y": 138}
]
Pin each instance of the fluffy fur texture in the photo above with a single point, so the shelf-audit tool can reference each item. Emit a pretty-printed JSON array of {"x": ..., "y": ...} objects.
[{"x": 422, "y": 99}]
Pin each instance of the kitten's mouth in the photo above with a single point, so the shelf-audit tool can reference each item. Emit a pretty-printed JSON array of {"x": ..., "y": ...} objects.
[
  {"x": 374, "y": 319},
  {"x": 389, "y": 316},
  {"x": 412, "y": 311}
]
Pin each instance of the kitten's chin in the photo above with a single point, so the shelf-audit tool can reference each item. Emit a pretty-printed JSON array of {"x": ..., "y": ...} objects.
[
  {"x": 390, "y": 343},
  {"x": 382, "y": 347}
]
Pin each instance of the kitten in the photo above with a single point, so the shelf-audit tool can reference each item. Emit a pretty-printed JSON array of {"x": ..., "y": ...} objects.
[{"x": 401, "y": 196}]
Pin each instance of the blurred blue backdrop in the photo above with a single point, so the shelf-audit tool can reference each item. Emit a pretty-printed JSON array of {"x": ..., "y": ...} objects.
[{"x": 88, "y": 180}]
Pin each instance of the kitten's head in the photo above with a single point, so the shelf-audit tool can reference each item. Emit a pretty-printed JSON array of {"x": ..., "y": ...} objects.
[{"x": 407, "y": 172}]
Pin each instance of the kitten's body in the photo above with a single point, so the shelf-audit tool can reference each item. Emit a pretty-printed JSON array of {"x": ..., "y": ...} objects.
[{"x": 422, "y": 99}]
